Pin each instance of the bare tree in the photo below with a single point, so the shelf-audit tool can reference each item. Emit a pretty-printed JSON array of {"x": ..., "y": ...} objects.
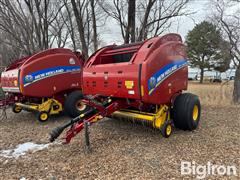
[
  {"x": 32, "y": 25},
  {"x": 160, "y": 17},
  {"x": 71, "y": 25},
  {"x": 61, "y": 28},
  {"x": 94, "y": 24},
  {"x": 143, "y": 29},
  {"x": 229, "y": 24},
  {"x": 78, "y": 13},
  {"x": 43, "y": 15},
  {"x": 130, "y": 30},
  {"x": 88, "y": 19},
  {"x": 152, "y": 17},
  {"x": 9, "y": 49}
]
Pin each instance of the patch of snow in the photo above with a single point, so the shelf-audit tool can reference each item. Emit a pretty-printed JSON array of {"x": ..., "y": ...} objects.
[{"x": 22, "y": 149}]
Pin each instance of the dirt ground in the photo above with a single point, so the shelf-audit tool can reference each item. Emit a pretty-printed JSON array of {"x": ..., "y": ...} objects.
[{"x": 123, "y": 150}]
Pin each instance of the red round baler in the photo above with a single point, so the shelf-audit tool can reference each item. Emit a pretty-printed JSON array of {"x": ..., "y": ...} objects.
[
  {"x": 142, "y": 81},
  {"x": 44, "y": 82}
]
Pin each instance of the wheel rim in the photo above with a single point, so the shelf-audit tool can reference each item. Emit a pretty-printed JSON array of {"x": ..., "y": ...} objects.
[
  {"x": 80, "y": 105},
  {"x": 18, "y": 109},
  {"x": 169, "y": 129},
  {"x": 195, "y": 112},
  {"x": 43, "y": 116}
]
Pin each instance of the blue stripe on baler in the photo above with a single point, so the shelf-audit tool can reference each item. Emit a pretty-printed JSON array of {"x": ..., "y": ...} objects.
[
  {"x": 163, "y": 73},
  {"x": 48, "y": 72}
]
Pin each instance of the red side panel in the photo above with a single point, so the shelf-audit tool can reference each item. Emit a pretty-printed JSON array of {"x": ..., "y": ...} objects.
[
  {"x": 117, "y": 80},
  {"x": 48, "y": 74},
  {"x": 165, "y": 74}
]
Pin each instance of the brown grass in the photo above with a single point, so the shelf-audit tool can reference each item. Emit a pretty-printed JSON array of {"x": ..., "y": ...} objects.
[
  {"x": 123, "y": 150},
  {"x": 213, "y": 94}
]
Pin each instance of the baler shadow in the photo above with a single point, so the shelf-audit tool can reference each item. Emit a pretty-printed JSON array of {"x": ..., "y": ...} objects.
[{"x": 130, "y": 127}]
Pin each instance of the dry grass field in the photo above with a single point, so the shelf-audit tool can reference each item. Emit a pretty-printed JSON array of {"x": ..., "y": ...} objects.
[
  {"x": 123, "y": 150},
  {"x": 214, "y": 94}
]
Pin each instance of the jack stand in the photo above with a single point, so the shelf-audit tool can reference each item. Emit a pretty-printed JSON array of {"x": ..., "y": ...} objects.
[
  {"x": 4, "y": 110},
  {"x": 3, "y": 114},
  {"x": 87, "y": 139}
]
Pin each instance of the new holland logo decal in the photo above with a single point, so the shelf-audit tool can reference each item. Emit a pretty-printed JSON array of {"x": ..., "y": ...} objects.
[
  {"x": 49, "y": 72},
  {"x": 164, "y": 73}
]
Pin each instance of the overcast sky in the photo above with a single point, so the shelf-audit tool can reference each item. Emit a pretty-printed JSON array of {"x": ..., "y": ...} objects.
[
  {"x": 182, "y": 25},
  {"x": 111, "y": 34}
]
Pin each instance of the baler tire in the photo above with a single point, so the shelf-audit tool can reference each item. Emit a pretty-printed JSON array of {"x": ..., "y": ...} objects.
[
  {"x": 166, "y": 129},
  {"x": 186, "y": 111},
  {"x": 16, "y": 109},
  {"x": 70, "y": 104},
  {"x": 42, "y": 116}
]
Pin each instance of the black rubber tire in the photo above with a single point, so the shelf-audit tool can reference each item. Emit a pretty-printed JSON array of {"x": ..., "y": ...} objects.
[
  {"x": 40, "y": 119},
  {"x": 183, "y": 111},
  {"x": 164, "y": 129},
  {"x": 16, "y": 109},
  {"x": 70, "y": 104}
]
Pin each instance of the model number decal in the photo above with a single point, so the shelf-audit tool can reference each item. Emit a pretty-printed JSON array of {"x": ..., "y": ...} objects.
[{"x": 163, "y": 73}]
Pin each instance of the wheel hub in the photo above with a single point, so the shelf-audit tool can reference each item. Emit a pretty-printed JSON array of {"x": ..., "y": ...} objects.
[
  {"x": 169, "y": 130},
  {"x": 80, "y": 105},
  {"x": 18, "y": 109},
  {"x": 43, "y": 116},
  {"x": 195, "y": 112}
]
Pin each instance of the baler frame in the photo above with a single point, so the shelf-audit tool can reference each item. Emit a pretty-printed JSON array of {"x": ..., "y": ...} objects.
[
  {"x": 48, "y": 107},
  {"x": 113, "y": 107},
  {"x": 156, "y": 119}
]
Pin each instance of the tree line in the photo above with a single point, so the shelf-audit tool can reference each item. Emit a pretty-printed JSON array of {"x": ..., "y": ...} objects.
[{"x": 29, "y": 26}]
